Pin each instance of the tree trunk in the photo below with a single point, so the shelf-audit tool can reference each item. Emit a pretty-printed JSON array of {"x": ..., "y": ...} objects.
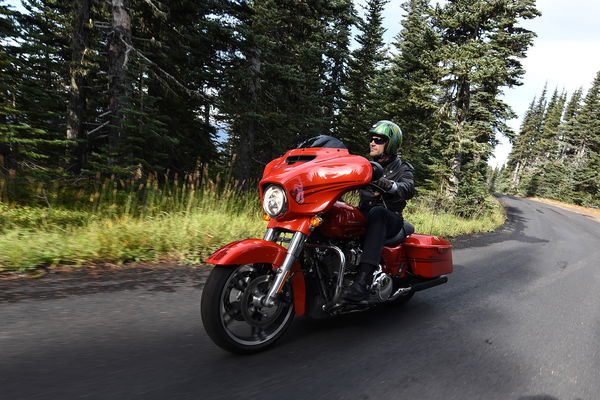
[
  {"x": 119, "y": 48},
  {"x": 78, "y": 93},
  {"x": 245, "y": 148},
  {"x": 516, "y": 174},
  {"x": 463, "y": 102}
]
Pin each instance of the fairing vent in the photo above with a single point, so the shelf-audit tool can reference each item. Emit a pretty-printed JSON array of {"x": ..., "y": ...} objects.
[{"x": 301, "y": 158}]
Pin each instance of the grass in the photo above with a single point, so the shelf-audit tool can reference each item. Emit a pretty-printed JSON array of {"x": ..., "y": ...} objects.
[
  {"x": 189, "y": 238},
  {"x": 427, "y": 220},
  {"x": 186, "y": 222}
]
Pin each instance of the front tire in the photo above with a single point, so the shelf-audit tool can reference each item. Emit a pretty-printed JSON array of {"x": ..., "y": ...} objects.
[{"x": 232, "y": 316}]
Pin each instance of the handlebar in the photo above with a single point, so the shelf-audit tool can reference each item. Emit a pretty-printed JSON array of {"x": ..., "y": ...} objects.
[{"x": 377, "y": 171}]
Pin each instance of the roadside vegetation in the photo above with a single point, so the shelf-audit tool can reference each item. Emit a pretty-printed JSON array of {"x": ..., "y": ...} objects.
[
  {"x": 557, "y": 152},
  {"x": 120, "y": 221}
]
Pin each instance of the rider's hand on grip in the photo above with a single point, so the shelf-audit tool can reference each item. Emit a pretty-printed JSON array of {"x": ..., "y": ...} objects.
[{"x": 384, "y": 184}]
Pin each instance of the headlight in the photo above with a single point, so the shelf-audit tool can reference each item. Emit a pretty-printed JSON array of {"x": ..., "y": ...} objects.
[{"x": 274, "y": 201}]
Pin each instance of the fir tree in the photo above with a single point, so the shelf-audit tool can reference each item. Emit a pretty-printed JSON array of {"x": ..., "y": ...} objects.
[
  {"x": 412, "y": 92},
  {"x": 342, "y": 17},
  {"x": 552, "y": 122},
  {"x": 587, "y": 157},
  {"x": 39, "y": 71},
  {"x": 78, "y": 88},
  {"x": 363, "y": 102},
  {"x": 10, "y": 126},
  {"x": 274, "y": 92},
  {"x": 567, "y": 130},
  {"x": 483, "y": 45}
]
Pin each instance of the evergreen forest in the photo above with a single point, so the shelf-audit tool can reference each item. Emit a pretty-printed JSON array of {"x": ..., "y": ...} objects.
[
  {"x": 557, "y": 152},
  {"x": 155, "y": 89}
]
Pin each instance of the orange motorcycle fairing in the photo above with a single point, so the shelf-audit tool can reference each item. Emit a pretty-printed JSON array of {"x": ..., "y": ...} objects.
[
  {"x": 314, "y": 179},
  {"x": 258, "y": 251}
]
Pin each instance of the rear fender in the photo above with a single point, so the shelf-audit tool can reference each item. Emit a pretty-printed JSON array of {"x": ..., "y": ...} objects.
[{"x": 258, "y": 251}]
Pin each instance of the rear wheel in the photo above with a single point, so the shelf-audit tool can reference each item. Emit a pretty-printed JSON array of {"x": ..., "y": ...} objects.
[{"x": 232, "y": 313}]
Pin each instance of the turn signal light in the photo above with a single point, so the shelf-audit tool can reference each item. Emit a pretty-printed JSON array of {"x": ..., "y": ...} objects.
[
  {"x": 266, "y": 217},
  {"x": 316, "y": 221}
]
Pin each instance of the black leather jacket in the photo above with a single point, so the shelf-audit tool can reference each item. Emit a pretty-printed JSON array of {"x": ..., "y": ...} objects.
[{"x": 399, "y": 172}]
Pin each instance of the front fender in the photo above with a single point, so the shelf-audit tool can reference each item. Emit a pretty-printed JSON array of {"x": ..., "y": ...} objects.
[
  {"x": 258, "y": 251},
  {"x": 249, "y": 251}
]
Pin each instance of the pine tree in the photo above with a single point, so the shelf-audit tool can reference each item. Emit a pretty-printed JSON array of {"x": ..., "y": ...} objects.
[
  {"x": 363, "y": 102},
  {"x": 78, "y": 88},
  {"x": 567, "y": 129},
  {"x": 587, "y": 156},
  {"x": 274, "y": 91},
  {"x": 550, "y": 130},
  {"x": 483, "y": 43},
  {"x": 412, "y": 92},
  {"x": 177, "y": 47},
  {"x": 10, "y": 128},
  {"x": 342, "y": 17},
  {"x": 119, "y": 50},
  {"x": 39, "y": 71},
  {"x": 525, "y": 153}
]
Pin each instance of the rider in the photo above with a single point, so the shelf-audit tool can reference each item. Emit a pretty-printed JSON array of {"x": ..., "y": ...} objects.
[{"x": 382, "y": 202}]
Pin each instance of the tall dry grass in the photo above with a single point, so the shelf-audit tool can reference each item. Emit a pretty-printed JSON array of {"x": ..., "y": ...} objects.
[{"x": 182, "y": 218}]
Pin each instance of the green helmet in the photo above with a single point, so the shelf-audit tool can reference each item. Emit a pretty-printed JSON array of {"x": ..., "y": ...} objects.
[{"x": 392, "y": 132}]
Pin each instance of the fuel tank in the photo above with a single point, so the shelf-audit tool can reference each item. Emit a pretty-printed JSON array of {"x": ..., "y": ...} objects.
[{"x": 343, "y": 221}]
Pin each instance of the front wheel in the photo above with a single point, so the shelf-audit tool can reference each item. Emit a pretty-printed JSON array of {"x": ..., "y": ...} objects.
[{"x": 232, "y": 313}]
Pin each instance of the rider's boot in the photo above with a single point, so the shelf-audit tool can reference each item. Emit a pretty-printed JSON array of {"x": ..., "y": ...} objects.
[{"x": 359, "y": 288}]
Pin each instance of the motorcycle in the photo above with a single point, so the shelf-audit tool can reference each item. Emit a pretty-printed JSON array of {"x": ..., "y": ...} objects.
[{"x": 309, "y": 253}]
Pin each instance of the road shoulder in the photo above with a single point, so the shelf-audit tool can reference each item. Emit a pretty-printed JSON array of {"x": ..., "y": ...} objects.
[{"x": 588, "y": 212}]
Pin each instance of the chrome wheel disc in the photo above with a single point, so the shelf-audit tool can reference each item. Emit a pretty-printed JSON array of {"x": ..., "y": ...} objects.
[{"x": 244, "y": 318}]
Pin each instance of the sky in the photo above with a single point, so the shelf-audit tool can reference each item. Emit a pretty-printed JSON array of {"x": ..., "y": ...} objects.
[{"x": 565, "y": 54}]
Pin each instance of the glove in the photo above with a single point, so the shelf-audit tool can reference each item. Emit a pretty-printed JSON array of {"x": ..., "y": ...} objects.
[{"x": 384, "y": 184}]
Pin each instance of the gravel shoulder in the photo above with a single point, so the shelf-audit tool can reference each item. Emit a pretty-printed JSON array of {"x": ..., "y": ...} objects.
[
  {"x": 60, "y": 282},
  {"x": 588, "y": 212}
]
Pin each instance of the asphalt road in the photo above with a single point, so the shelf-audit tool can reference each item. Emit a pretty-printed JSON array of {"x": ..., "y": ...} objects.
[{"x": 519, "y": 319}]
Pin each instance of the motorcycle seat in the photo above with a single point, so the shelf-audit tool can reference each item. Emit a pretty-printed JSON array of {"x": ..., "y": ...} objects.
[{"x": 407, "y": 230}]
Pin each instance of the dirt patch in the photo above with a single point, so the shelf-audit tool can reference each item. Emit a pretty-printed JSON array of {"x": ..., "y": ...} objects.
[
  {"x": 588, "y": 212},
  {"x": 60, "y": 282}
]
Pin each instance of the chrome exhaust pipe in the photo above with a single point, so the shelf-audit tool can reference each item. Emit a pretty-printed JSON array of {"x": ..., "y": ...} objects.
[{"x": 419, "y": 286}]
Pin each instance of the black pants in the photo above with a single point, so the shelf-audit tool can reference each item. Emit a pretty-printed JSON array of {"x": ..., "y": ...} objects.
[{"x": 381, "y": 224}]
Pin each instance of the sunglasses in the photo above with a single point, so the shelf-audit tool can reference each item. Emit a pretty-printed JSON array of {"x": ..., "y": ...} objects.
[{"x": 378, "y": 140}]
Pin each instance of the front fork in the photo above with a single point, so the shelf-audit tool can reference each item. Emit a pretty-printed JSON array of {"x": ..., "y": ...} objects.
[{"x": 293, "y": 252}]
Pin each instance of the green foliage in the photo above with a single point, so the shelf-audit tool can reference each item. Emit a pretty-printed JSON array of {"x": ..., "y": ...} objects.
[
  {"x": 190, "y": 88},
  {"x": 32, "y": 94},
  {"x": 557, "y": 152},
  {"x": 429, "y": 217},
  {"x": 128, "y": 221},
  {"x": 364, "y": 99},
  {"x": 413, "y": 91},
  {"x": 482, "y": 47}
]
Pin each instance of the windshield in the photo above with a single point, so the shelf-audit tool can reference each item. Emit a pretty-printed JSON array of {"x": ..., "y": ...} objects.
[{"x": 321, "y": 141}]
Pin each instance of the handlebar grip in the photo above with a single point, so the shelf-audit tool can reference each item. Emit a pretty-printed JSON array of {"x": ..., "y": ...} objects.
[{"x": 377, "y": 170}]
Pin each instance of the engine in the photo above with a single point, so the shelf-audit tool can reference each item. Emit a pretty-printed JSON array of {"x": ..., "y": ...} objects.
[{"x": 327, "y": 258}]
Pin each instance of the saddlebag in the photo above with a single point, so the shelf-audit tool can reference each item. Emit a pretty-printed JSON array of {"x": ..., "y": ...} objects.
[{"x": 429, "y": 256}]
